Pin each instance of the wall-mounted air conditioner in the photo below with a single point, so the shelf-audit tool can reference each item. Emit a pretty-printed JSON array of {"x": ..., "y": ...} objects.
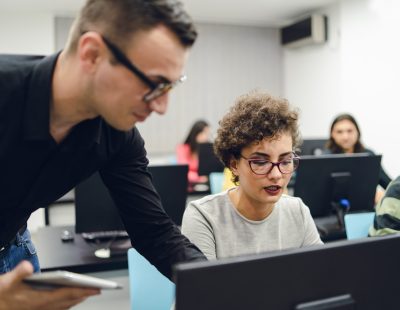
[{"x": 311, "y": 30}]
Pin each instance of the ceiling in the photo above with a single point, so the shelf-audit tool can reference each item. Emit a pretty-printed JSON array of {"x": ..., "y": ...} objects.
[
  {"x": 252, "y": 12},
  {"x": 240, "y": 12}
]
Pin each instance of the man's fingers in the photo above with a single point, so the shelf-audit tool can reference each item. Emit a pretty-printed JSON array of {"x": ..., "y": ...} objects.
[
  {"x": 68, "y": 303},
  {"x": 65, "y": 298},
  {"x": 74, "y": 293},
  {"x": 20, "y": 272}
]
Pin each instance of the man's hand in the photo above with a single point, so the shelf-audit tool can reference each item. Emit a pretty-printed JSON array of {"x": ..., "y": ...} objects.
[{"x": 15, "y": 294}]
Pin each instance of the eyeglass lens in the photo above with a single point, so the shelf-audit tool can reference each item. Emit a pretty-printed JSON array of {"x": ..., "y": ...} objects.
[{"x": 265, "y": 166}]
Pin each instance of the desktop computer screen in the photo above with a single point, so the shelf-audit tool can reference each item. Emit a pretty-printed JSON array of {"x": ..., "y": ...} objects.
[
  {"x": 208, "y": 161},
  {"x": 94, "y": 208},
  {"x": 92, "y": 197},
  {"x": 322, "y": 181},
  {"x": 312, "y": 147},
  {"x": 344, "y": 275}
]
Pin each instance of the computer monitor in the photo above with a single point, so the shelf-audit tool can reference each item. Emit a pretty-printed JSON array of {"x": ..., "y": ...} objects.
[
  {"x": 92, "y": 197},
  {"x": 312, "y": 147},
  {"x": 357, "y": 274},
  {"x": 326, "y": 180},
  {"x": 208, "y": 161},
  {"x": 171, "y": 183},
  {"x": 94, "y": 208}
]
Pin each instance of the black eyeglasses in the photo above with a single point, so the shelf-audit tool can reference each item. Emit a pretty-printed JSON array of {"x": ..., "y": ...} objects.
[
  {"x": 262, "y": 166},
  {"x": 156, "y": 89}
]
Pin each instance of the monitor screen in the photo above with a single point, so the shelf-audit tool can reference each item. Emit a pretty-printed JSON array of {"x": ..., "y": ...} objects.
[
  {"x": 171, "y": 183},
  {"x": 94, "y": 208},
  {"x": 326, "y": 179},
  {"x": 359, "y": 274},
  {"x": 312, "y": 147},
  {"x": 208, "y": 161},
  {"x": 92, "y": 197}
]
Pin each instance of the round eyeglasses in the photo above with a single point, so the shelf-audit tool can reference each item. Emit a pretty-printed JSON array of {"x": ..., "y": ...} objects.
[{"x": 263, "y": 166}]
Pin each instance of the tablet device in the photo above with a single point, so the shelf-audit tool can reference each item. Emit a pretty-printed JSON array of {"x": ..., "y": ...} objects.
[{"x": 60, "y": 278}]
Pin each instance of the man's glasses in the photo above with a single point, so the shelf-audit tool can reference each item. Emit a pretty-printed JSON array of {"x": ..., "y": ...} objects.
[
  {"x": 262, "y": 166},
  {"x": 156, "y": 89}
]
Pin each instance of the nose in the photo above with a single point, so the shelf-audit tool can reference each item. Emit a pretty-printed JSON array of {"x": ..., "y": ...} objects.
[
  {"x": 274, "y": 173},
  {"x": 159, "y": 105},
  {"x": 345, "y": 136}
]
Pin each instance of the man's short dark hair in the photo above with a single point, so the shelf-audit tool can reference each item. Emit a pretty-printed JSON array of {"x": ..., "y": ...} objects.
[{"x": 120, "y": 19}]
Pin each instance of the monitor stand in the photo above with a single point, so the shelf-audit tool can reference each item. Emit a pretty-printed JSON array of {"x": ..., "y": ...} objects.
[
  {"x": 329, "y": 228},
  {"x": 332, "y": 227}
]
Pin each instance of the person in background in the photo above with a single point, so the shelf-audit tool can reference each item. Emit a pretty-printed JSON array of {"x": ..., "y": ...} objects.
[
  {"x": 255, "y": 140},
  {"x": 65, "y": 116},
  {"x": 187, "y": 153},
  {"x": 387, "y": 212},
  {"x": 345, "y": 137}
]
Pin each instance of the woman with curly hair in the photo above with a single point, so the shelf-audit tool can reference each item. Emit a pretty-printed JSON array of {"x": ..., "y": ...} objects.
[{"x": 255, "y": 141}]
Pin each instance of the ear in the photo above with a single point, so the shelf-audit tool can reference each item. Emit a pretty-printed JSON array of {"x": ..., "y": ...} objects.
[
  {"x": 233, "y": 164},
  {"x": 91, "y": 51}
]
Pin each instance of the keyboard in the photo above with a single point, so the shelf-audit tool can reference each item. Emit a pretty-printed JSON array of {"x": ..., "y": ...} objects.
[{"x": 102, "y": 235}]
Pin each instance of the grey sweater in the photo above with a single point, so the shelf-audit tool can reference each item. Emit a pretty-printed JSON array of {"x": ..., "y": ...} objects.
[{"x": 219, "y": 230}]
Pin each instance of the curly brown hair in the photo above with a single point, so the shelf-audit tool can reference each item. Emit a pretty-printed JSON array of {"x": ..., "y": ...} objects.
[{"x": 253, "y": 117}]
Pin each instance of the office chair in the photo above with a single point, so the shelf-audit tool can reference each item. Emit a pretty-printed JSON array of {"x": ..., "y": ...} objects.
[
  {"x": 358, "y": 224},
  {"x": 149, "y": 289},
  {"x": 216, "y": 182}
]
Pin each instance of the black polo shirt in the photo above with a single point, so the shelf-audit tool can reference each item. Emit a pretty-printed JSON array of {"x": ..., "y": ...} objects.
[{"x": 35, "y": 170}]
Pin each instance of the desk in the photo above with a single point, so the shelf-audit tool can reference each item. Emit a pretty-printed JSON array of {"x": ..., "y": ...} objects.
[{"x": 76, "y": 256}]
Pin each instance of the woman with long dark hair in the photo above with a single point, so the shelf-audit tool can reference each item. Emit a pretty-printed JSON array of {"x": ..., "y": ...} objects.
[
  {"x": 345, "y": 137},
  {"x": 187, "y": 153}
]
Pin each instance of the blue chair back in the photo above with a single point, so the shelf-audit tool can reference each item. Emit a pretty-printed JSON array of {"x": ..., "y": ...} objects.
[
  {"x": 149, "y": 289},
  {"x": 358, "y": 224},
  {"x": 216, "y": 182}
]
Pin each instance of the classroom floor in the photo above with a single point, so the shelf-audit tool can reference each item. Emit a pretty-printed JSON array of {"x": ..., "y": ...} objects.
[{"x": 109, "y": 299}]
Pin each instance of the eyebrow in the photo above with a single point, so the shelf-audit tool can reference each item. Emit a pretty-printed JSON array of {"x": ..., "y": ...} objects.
[{"x": 267, "y": 156}]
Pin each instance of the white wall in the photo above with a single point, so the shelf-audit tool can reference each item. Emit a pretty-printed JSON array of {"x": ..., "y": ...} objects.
[
  {"x": 356, "y": 71},
  {"x": 311, "y": 76},
  {"x": 225, "y": 62},
  {"x": 370, "y": 67},
  {"x": 23, "y": 33}
]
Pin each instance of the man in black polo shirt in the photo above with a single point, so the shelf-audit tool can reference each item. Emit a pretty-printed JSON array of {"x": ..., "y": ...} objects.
[{"x": 65, "y": 116}]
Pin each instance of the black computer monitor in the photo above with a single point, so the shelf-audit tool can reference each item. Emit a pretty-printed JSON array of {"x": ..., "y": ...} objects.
[
  {"x": 94, "y": 208},
  {"x": 171, "y": 183},
  {"x": 92, "y": 197},
  {"x": 208, "y": 161},
  {"x": 312, "y": 147},
  {"x": 323, "y": 181},
  {"x": 359, "y": 274}
]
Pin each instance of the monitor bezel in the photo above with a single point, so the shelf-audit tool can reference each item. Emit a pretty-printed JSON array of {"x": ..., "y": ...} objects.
[{"x": 288, "y": 278}]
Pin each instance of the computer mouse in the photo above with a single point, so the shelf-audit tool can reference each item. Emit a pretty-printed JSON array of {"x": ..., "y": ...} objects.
[
  {"x": 67, "y": 236},
  {"x": 103, "y": 253}
]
